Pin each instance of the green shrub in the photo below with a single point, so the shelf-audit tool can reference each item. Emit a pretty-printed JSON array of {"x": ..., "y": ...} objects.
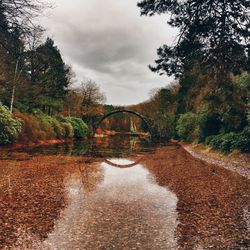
[
  {"x": 242, "y": 142},
  {"x": 57, "y": 127},
  {"x": 216, "y": 141},
  {"x": 10, "y": 128},
  {"x": 163, "y": 125},
  {"x": 209, "y": 124},
  {"x": 31, "y": 129},
  {"x": 231, "y": 141},
  {"x": 48, "y": 130},
  {"x": 69, "y": 130},
  {"x": 66, "y": 123},
  {"x": 65, "y": 127},
  {"x": 61, "y": 118},
  {"x": 186, "y": 126},
  {"x": 45, "y": 124},
  {"x": 228, "y": 140},
  {"x": 80, "y": 128},
  {"x": 209, "y": 139},
  {"x": 39, "y": 126}
]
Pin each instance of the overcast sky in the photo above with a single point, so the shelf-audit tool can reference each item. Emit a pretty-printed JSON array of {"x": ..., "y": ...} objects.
[{"x": 109, "y": 42}]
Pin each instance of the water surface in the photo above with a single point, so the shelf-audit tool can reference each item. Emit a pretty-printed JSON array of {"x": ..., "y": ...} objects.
[{"x": 119, "y": 193}]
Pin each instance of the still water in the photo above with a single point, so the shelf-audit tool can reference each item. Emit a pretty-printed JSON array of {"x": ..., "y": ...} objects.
[{"x": 119, "y": 193}]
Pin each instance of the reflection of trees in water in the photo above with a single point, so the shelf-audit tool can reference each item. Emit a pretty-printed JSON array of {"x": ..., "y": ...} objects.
[
  {"x": 71, "y": 147},
  {"x": 134, "y": 143},
  {"x": 91, "y": 176},
  {"x": 211, "y": 200},
  {"x": 117, "y": 146},
  {"x": 112, "y": 146}
]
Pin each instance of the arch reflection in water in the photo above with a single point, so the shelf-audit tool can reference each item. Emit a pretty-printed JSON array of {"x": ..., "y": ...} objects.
[
  {"x": 122, "y": 163},
  {"x": 127, "y": 210}
]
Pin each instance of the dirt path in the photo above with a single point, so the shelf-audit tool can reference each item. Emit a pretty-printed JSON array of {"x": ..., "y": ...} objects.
[{"x": 239, "y": 163}]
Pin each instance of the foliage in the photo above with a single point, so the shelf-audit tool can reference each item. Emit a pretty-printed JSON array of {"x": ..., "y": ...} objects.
[
  {"x": 55, "y": 77},
  {"x": 86, "y": 102},
  {"x": 228, "y": 141},
  {"x": 231, "y": 141},
  {"x": 216, "y": 141},
  {"x": 49, "y": 104},
  {"x": 66, "y": 123},
  {"x": 186, "y": 126},
  {"x": 58, "y": 128},
  {"x": 80, "y": 128},
  {"x": 163, "y": 125},
  {"x": 54, "y": 123},
  {"x": 209, "y": 139},
  {"x": 243, "y": 82},
  {"x": 48, "y": 129},
  {"x": 209, "y": 124},
  {"x": 40, "y": 126},
  {"x": 242, "y": 142},
  {"x": 10, "y": 127},
  {"x": 31, "y": 129},
  {"x": 210, "y": 32},
  {"x": 69, "y": 130}
]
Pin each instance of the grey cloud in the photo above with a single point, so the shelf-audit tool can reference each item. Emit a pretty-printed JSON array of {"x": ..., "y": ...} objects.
[{"x": 110, "y": 43}]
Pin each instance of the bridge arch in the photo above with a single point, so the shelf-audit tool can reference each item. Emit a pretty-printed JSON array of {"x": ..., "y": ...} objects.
[
  {"x": 143, "y": 118},
  {"x": 110, "y": 163}
]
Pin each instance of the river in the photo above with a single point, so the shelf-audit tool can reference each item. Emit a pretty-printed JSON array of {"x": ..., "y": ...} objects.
[{"x": 119, "y": 192}]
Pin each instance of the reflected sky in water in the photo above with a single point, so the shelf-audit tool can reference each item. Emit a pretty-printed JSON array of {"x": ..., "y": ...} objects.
[
  {"x": 119, "y": 193},
  {"x": 127, "y": 205}
]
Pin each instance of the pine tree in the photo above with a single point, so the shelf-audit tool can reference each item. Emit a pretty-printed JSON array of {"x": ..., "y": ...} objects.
[{"x": 215, "y": 33}]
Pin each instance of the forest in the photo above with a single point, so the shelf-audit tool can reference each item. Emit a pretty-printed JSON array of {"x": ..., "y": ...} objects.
[{"x": 208, "y": 102}]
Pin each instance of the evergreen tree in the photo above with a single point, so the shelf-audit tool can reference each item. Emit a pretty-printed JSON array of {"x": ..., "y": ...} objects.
[
  {"x": 215, "y": 33},
  {"x": 49, "y": 74}
]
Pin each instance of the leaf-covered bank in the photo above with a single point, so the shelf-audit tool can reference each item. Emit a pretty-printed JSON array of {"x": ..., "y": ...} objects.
[
  {"x": 236, "y": 161},
  {"x": 37, "y": 126}
]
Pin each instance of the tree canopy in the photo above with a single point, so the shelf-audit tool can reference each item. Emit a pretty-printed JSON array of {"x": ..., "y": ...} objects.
[{"x": 215, "y": 33}]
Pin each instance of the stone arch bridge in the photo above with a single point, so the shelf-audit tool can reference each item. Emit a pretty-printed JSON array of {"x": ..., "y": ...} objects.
[{"x": 146, "y": 120}]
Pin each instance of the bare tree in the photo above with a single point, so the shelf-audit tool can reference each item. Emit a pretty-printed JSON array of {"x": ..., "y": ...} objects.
[
  {"x": 21, "y": 13},
  {"x": 32, "y": 43},
  {"x": 17, "y": 20},
  {"x": 85, "y": 101},
  {"x": 92, "y": 97},
  {"x": 92, "y": 100},
  {"x": 18, "y": 32}
]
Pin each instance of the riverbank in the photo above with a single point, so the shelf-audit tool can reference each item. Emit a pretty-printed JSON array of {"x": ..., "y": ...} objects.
[
  {"x": 53, "y": 198},
  {"x": 34, "y": 144},
  {"x": 38, "y": 128},
  {"x": 235, "y": 161}
]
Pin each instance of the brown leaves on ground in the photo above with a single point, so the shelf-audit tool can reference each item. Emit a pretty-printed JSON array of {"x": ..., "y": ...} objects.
[
  {"x": 32, "y": 195},
  {"x": 212, "y": 200}
]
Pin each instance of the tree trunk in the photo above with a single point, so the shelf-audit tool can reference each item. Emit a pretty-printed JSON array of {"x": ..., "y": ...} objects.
[{"x": 14, "y": 87}]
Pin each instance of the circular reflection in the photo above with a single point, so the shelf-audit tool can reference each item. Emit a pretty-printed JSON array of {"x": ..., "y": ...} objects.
[{"x": 117, "y": 165}]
